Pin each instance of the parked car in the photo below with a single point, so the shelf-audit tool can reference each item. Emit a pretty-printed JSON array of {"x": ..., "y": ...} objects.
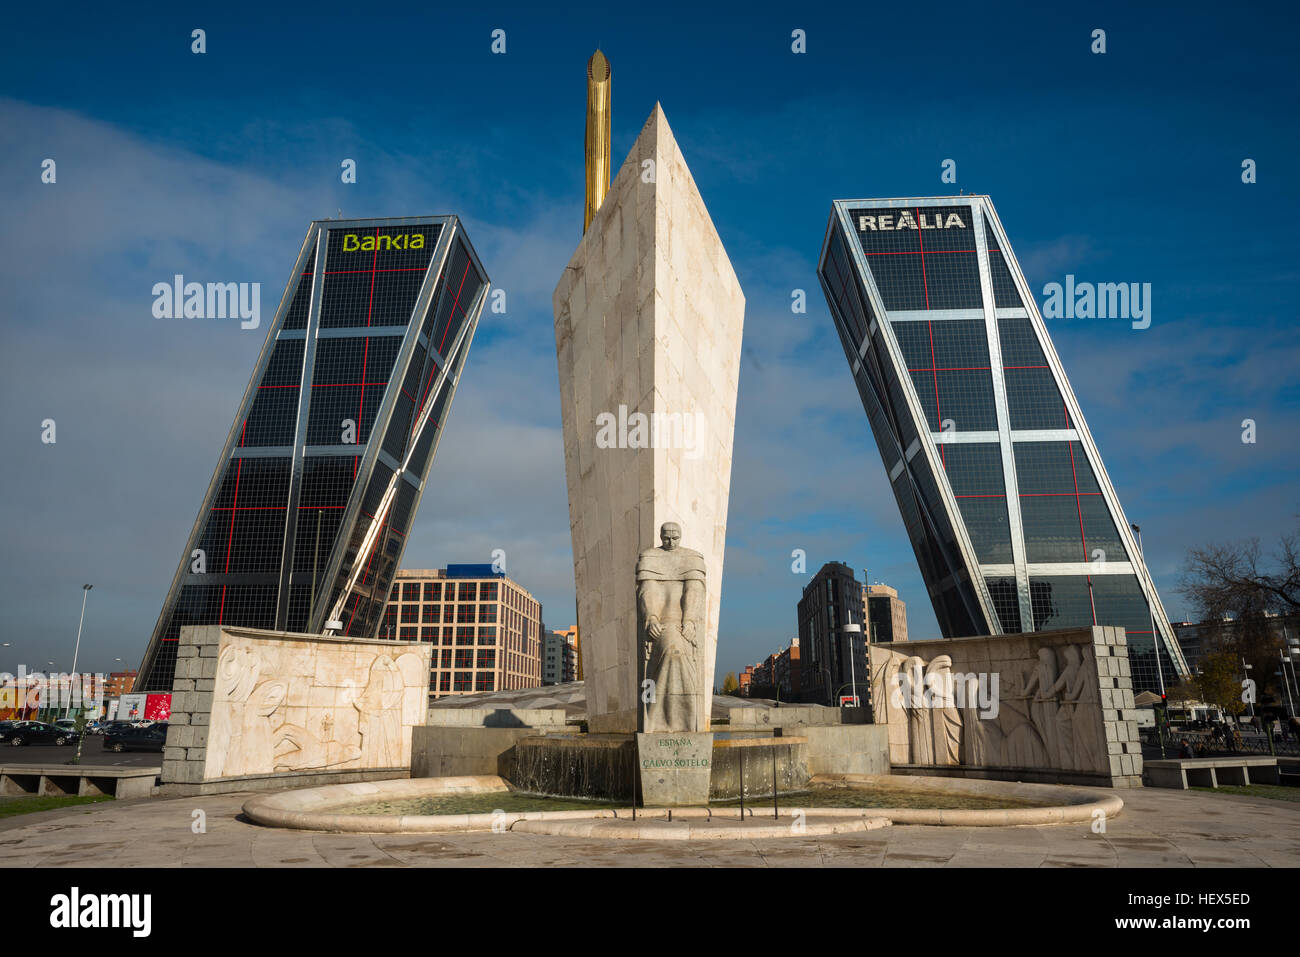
[
  {"x": 67, "y": 724},
  {"x": 151, "y": 738},
  {"x": 16, "y": 733}
]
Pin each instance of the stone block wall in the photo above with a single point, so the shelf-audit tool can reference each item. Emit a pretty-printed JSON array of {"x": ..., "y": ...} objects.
[
  {"x": 251, "y": 704},
  {"x": 1056, "y": 705}
]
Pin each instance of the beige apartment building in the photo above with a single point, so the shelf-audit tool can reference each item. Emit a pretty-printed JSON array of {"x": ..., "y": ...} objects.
[
  {"x": 886, "y": 613},
  {"x": 486, "y": 628}
]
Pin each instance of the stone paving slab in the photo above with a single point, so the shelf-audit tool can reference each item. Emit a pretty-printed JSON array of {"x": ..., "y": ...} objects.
[{"x": 1161, "y": 828}]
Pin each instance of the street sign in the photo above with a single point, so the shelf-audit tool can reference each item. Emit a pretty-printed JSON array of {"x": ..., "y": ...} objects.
[{"x": 849, "y": 701}]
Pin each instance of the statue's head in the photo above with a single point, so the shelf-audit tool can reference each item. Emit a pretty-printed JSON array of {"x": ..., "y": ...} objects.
[{"x": 670, "y": 533}]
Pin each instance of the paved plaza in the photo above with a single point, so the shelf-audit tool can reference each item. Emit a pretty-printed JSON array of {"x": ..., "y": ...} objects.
[{"x": 1158, "y": 828}]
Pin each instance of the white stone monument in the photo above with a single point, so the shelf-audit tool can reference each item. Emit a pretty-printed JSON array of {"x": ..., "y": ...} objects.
[{"x": 648, "y": 324}]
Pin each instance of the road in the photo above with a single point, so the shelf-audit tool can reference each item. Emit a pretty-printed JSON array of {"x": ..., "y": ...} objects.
[{"x": 92, "y": 752}]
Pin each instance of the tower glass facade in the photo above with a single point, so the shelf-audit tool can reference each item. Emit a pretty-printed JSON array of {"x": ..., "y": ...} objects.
[
  {"x": 350, "y": 392},
  {"x": 1010, "y": 512},
  {"x": 834, "y": 661}
]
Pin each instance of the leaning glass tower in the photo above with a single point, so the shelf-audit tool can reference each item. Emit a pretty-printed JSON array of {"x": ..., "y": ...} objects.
[
  {"x": 1014, "y": 522},
  {"x": 315, "y": 489}
]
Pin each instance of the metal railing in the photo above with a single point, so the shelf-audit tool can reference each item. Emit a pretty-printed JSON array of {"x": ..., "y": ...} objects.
[{"x": 1210, "y": 744}]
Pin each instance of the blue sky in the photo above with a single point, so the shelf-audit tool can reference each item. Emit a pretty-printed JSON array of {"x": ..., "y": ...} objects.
[{"x": 1122, "y": 167}]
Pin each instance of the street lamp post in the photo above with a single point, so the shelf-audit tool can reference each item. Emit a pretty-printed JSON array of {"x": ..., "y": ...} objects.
[
  {"x": 851, "y": 629},
  {"x": 85, "y": 592},
  {"x": 1155, "y": 642},
  {"x": 44, "y": 703},
  {"x": 1245, "y": 668},
  {"x": 1289, "y": 656},
  {"x": 1290, "y": 702}
]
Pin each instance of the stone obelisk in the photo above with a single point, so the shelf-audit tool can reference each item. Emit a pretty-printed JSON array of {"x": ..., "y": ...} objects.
[{"x": 648, "y": 324}]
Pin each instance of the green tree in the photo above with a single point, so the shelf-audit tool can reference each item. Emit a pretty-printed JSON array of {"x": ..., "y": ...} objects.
[
  {"x": 81, "y": 733},
  {"x": 1220, "y": 682},
  {"x": 1187, "y": 690},
  {"x": 729, "y": 683}
]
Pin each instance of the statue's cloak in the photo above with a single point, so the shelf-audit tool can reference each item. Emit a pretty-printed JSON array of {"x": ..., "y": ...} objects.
[{"x": 661, "y": 565}]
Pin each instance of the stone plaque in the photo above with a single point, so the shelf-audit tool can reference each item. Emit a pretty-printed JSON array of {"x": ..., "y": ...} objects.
[{"x": 675, "y": 768}]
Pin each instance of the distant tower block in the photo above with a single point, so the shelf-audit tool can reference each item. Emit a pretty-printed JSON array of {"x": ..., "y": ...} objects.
[{"x": 648, "y": 320}]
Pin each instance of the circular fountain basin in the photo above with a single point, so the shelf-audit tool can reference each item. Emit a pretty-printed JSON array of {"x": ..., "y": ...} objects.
[{"x": 359, "y": 807}]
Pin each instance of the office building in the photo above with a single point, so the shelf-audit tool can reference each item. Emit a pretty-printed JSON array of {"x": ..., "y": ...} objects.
[
  {"x": 1201, "y": 638},
  {"x": 119, "y": 683},
  {"x": 886, "y": 613},
  {"x": 487, "y": 628},
  {"x": 559, "y": 657},
  {"x": 306, "y": 516},
  {"x": 834, "y": 660},
  {"x": 1013, "y": 519}
]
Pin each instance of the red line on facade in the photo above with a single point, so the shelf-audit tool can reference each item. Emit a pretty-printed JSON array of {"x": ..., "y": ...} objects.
[
  {"x": 913, "y": 252},
  {"x": 365, "y": 355},
  {"x": 344, "y": 272},
  {"x": 1079, "y": 505},
  {"x": 455, "y": 304},
  {"x": 427, "y": 386},
  {"x": 239, "y": 467},
  {"x": 925, "y": 285},
  {"x": 355, "y": 605},
  {"x": 938, "y": 415}
]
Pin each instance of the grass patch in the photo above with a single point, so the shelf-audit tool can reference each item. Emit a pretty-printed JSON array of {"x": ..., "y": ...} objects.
[
  {"x": 13, "y": 806},
  {"x": 1277, "y": 792}
]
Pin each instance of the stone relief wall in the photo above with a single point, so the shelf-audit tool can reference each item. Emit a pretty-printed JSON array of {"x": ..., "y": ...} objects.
[
  {"x": 283, "y": 703},
  {"x": 1047, "y": 700}
]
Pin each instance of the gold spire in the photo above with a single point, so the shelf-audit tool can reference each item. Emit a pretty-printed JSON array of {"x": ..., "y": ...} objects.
[{"x": 599, "y": 79}]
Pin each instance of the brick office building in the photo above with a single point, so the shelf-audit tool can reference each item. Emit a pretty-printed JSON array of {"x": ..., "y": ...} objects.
[{"x": 487, "y": 628}]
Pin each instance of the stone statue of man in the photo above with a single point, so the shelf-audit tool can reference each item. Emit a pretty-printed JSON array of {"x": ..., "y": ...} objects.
[{"x": 670, "y": 595}]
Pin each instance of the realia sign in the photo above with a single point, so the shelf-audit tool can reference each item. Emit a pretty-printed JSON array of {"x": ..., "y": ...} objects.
[{"x": 905, "y": 220}]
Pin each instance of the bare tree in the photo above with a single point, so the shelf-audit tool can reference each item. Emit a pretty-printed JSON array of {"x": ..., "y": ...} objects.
[
  {"x": 1227, "y": 580},
  {"x": 1236, "y": 581}
]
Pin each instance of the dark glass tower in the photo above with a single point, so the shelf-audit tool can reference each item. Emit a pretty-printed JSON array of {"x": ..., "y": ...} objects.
[
  {"x": 322, "y": 472},
  {"x": 1013, "y": 519},
  {"x": 833, "y": 661}
]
